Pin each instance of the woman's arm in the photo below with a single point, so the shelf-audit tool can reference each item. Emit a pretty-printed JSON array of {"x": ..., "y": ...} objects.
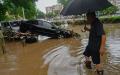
[{"x": 102, "y": 47}]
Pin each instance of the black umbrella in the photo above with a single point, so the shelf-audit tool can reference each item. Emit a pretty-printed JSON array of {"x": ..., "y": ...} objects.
[{"x": 78, "y": 7}]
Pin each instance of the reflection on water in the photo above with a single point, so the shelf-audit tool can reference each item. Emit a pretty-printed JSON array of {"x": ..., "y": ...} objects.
[
  {"x": 61, "y": 62},
  {"x": 42, "y": 38},
  {"x": 59, "y": 56},
  {"x": 113, "y": 43}
]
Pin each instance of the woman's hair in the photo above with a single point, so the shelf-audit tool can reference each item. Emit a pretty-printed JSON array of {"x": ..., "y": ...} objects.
[{"x": 91, "y": 14}]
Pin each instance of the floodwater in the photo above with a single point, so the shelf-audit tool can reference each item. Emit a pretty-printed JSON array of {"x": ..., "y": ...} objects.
[{"x": 59, "y": 56}]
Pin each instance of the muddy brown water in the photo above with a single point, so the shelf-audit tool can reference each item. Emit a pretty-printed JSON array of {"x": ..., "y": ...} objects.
[{"x": 59, "y": 56}]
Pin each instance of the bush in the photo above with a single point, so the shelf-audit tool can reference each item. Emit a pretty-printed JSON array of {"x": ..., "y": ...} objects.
[
  {"x": 58, "y": 23},
  {"x": 115, "y": 19}
]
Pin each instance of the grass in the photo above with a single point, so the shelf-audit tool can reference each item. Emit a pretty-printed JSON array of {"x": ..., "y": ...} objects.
[{"x": 114, "y": 19}]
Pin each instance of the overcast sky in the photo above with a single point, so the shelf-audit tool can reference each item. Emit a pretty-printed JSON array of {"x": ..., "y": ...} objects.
[{"x": 41, "y": 4}]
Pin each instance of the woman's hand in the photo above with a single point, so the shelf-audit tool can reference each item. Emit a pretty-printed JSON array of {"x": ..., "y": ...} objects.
[
  {"x": 86, "y": 28},
  {"x": 102, "y": 51}
]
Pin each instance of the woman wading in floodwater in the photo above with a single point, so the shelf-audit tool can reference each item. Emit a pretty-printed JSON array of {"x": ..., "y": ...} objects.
[{"x": 96, "y": 44}]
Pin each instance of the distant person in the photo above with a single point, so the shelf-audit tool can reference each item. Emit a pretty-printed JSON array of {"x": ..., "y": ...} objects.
[
  {"x": 96, "y": 44},
  {"x": 2, "y": 42}
]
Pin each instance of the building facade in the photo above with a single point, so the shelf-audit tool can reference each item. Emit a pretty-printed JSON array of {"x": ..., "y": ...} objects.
[{"x": 54, "y": 9}]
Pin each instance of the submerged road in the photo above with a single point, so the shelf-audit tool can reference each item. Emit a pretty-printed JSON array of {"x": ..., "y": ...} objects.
[{"x": 59, "y": 56}]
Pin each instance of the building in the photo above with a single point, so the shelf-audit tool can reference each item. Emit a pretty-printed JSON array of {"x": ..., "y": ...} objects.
[
  {"x": 54, "y": 9},
  {"x": 116, "y": 3},
  {"x": 49, "y": 10}
]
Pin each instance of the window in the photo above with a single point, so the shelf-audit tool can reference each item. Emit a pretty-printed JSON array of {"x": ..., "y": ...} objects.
[
  {"x": 40, "y": 22},
  {"x": 47, "y": 25}
]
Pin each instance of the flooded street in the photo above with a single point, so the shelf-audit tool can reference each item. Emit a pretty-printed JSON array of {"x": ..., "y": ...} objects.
[{"x": 59, "y": 56}]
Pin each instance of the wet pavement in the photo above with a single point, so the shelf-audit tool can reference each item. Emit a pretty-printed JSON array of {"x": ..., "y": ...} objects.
[{"x": 59, "y": 56}]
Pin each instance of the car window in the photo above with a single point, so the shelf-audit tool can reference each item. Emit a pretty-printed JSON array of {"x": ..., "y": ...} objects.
[
  {"x": 14, "y": 24},
  {"x": 6, "y": 25},
  {"x": 40, "y": 22},
  {"x": 47, "y": 25}
]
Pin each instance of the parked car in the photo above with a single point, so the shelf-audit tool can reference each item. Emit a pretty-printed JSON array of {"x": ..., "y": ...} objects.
[
  {"x": 10, "y": 28},
  {"x": 38, "y": 27},
  {"x": 44, "y": 28}
]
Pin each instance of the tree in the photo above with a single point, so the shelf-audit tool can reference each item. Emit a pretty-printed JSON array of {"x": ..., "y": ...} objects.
[
  {"x": 109, "y": 11},
  {"x": 40, "y": 14},
  {"x": 2, "y": 12},
  {"x": 29, "y": 7},
  {"x": 63, "y": 2},
  {"x": 51, "y": 15},
  {"x": 11, "y": 9},
  {"x": 14, "y": 9}
]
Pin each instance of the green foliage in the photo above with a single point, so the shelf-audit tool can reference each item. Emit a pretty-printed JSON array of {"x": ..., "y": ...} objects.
[
  {"x": 2, "y": 12},
  {"x": 40, "y": 14},
  {"x": 109, "y": 11},
  {"x": 29, "y": 7},
  {"x": 115, "y": 19},
  {"x": 64, "y": 2},
  {"x": 57, "y": 23},
  {"x": 13, "y": 9},
  {"x": 51, "y": 15}
]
